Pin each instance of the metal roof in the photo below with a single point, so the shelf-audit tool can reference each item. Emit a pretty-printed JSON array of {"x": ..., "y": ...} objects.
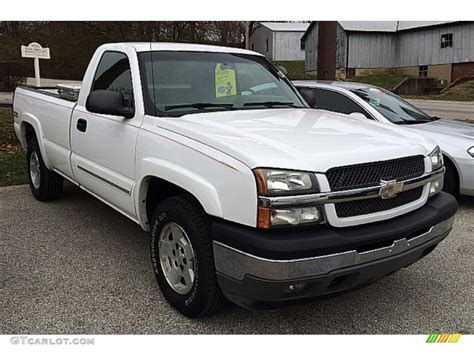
[
  {"x": 383, "y": 26},
  {"x": 387, "y": 26},
  {"x": 408, "y": 25},
  {"x": 369, "y": 26},
  {"x": 286, "y": 26}
]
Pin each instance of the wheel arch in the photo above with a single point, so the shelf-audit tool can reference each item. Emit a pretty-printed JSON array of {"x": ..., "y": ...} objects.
[
  {"x": 30, "y": 128},
  {"x": 447, "y": 158},
  {"x": 164, "y": 179}
]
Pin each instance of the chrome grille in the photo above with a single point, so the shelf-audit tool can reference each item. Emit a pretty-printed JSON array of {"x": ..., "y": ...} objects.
[
  {"x": 373, "y": 205},
  {"x": 369, "y": 174}
]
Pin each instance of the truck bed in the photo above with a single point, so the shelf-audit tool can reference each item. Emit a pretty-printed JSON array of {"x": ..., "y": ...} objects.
[
  {"x": 63, "y": 92},
  {"x": 50, "y": 115}
]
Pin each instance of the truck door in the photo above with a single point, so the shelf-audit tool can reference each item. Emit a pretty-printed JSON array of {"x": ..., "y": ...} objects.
[{"x": 103, "y": 146}]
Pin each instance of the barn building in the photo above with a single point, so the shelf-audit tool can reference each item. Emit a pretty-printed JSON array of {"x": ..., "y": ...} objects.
[
  {"x": 279, "y": 41},
  {"x": 443, "y": 50}
]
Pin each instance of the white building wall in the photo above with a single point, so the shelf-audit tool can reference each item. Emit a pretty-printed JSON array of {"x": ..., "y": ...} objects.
[
  {"x": 423, "y": 46},
  {"x": 287, "y": 46},
  {"x": 258, "y": 42},
  {"x": 414, "y": 47},
  {"x": 372, "y": 50}
]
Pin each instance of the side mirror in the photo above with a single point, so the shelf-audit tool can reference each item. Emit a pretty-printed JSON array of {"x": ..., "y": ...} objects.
[
  {"x": 358, "y": 115},
  {"x": 108, "y": 102},
  {"x": 309, "y": 96},
  {"x": 283, "y": 69}
]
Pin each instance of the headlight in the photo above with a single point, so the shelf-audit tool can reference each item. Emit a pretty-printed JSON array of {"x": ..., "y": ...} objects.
[
  {"x": 295, "y": 216},
  {"x": 291, "y": 216},
  {"x": 471, "y": 151},
  {"x": 436, "y": 158},
  {"x": 272, "y": 182}
]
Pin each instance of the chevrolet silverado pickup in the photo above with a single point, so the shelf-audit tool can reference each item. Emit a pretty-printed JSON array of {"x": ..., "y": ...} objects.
[{"x": 248, "y": 194}]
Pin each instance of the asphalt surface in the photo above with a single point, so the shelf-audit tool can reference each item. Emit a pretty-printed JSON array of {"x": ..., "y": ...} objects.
[
  {"x": 77, "y": 266},
  {"x": 454, "y": 110}
]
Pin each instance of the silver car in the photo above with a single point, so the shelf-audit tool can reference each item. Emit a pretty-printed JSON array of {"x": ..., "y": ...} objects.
[{"x": 456, "y": 139}]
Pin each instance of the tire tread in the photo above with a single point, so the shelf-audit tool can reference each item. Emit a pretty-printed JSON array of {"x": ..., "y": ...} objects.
[
  {"x": 202, "y": 223},
  {"x": 51, "y": 184}
]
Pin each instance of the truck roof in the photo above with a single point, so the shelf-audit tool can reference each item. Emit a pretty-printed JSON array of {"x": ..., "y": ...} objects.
[{"x": 169, "y": 46}]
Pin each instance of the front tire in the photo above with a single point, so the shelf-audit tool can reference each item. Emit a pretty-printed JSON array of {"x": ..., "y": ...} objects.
[
  {"x": 45, "y": 184},
  {"x": 182, "y": 257}
]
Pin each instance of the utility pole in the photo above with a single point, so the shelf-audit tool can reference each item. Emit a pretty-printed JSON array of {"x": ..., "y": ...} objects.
[
  {"x": 327, "y": 45},
  {"x": 247, "y": 34}
]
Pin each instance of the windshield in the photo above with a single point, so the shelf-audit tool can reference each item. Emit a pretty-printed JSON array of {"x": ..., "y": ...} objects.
[
  {"x": 177, "y": 83},
  {"x": 391, "y": 106}
]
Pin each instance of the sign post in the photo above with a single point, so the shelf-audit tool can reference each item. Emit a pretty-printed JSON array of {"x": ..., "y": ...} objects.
[{"x": 35, "y": 51}]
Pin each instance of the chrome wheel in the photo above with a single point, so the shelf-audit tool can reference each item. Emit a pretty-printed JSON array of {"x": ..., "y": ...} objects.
[
  {"x": 176, "y": 258},
  {"x": 35, "y": 172}
]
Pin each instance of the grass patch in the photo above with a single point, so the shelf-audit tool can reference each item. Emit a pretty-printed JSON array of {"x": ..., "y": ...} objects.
[
  {"x": 461, "y": 92},
  {"x": 12, "y": 156},
  {"x": 385, "y": 81},
  {"x": 296, "y": 70}
]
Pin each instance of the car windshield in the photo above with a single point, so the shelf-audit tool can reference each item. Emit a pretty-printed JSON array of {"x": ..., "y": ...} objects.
[
  {"x": 177, "y": 83},
  {"x": 391, "y": 106}
]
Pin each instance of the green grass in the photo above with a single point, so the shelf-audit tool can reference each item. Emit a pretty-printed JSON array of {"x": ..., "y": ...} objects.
[
  {"x": 296, "y": 70},
  {"x": 385, "y": 81},
  {"x": 461, "y": 92},
  {"x": 12, "y": 156}
]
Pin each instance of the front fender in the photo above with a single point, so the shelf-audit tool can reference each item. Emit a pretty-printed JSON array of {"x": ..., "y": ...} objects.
[{"x": 201, "y": 189}]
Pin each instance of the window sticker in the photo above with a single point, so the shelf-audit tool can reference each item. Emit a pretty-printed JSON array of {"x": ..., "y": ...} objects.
[{"x": 225, "y": 81}]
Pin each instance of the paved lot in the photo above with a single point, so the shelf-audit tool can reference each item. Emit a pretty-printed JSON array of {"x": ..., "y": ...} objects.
[
  {"x": 454, "y": 110},
  {"x": 77, "y": 266}
]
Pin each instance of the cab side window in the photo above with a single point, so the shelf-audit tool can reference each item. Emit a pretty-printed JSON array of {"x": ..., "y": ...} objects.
[
  {"x": 335, "y": 102},
  {"x": 113, "y": 73}
]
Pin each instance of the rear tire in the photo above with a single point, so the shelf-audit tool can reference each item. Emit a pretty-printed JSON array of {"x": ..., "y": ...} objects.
[
  {"x": 451, "y": 181},
  {"x": 45, "y": 184},
  {"x": 181, "y": 219}
]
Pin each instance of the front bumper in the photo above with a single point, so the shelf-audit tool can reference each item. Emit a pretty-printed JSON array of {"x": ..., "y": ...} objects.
[{"x": 251, "y": 279}]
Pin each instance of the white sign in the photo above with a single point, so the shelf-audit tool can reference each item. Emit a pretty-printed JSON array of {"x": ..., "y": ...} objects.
[{"x": 34, "y": 50}]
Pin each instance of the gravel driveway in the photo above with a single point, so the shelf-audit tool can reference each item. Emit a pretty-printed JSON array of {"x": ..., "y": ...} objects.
[{"x": 77, "y": 266}]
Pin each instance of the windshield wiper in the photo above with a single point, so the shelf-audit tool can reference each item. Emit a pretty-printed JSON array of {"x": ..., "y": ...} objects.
[
  {"x": 270, "y": 104},
  {"x": 198, "y": 105},
  {"x": 406, "y": 122}
]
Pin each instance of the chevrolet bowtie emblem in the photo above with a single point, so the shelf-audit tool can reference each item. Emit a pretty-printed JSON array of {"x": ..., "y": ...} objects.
[{"x": 390, "y": 188}]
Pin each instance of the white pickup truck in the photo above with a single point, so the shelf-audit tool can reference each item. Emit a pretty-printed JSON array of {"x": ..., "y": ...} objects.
[{"x": 247, "y": 193}]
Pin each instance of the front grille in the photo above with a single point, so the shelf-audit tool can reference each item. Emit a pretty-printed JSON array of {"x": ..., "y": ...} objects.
[
  {"x": 373, "y": 205},
  {"x": 370, "y": 174}
]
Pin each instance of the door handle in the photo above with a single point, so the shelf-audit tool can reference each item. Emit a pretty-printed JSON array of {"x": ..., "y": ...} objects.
[{"x": 81, "y": 124}]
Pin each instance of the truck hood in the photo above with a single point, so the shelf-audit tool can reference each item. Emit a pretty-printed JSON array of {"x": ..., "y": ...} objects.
[
  {"x": 446, "y": 127},
  {"x": 302, "y": 139}
]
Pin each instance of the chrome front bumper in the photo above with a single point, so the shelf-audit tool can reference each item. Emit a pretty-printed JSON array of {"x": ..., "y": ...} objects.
[{"x": 235, "y": 264}]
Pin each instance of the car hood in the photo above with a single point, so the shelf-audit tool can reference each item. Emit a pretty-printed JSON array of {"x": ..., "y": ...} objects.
[
  {"x": 302, "y": 139},
  {"x": 446, "y": 127}
]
